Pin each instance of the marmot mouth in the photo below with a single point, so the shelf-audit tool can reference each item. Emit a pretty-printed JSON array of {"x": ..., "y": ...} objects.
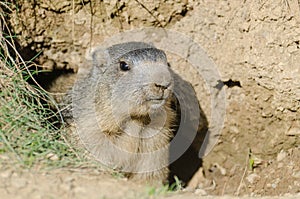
[
  {"x": 156, "y": 99},
  {"x": 156, "y": 102}
]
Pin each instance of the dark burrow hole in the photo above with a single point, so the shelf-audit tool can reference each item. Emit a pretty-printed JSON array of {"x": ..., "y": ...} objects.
[
  {"x": 230, "y": 83},
  {"x": 189, "y": 162}
]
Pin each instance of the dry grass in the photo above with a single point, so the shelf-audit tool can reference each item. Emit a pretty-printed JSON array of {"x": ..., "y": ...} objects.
[{"x": 29, "y": 128}]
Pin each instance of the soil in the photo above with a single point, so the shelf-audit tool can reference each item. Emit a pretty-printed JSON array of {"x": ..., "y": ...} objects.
[{"x": 256, "y": 48}]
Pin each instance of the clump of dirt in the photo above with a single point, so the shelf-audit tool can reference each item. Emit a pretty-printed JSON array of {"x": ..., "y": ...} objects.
[{"x": 255, "y": 45}]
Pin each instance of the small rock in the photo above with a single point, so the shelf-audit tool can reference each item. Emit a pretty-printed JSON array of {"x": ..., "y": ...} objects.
[
  {"x": 292, "y": 49},
  {"x": 6, "y": 174},
  {"x": 52, "y": 156},
  {"x": 293, "y": 131},
  {"x": 79, "y": 21},
  {"x": 234, "y": 129},
  {"x": 15, "y": 175},
  {"x": 280, "y": 108},
  {"x": 221, "y": 169},
  {"x": 296, "y": 174},
  {"x": 39, "y": 39},
  {"x": 252, "y": 178},
  {"x": 297, "y": 183},
  {"x": 281, "y": 155},
  {"x": 257, "y": 161},
  {"x": 49, "y": 65},
  {"x": 4, "y": 157},
  {"x": 201, "y": 192},
  {"x": 275, "y": 183}
]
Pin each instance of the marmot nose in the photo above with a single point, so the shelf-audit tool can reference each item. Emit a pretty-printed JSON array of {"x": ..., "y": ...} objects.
[
  {"x": 162, "y": 86},
  {"x": 160, "y": 77}
]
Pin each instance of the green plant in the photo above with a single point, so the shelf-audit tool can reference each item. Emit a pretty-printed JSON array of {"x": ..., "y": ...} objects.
[
  {"x": 251, "y": 160},
  {"x": 165, "y": 189},
  {"x": 29, "y": 128}
]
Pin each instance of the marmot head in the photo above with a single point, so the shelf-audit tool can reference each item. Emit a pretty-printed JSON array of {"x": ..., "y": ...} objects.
[{"x": 136, "y": 75}]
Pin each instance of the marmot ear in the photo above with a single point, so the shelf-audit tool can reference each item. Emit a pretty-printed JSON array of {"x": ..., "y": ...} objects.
[{"x": 100, "y": 57}]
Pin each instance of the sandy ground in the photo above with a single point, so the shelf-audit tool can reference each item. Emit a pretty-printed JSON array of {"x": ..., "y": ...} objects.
[{"x": 66, "y": 183}]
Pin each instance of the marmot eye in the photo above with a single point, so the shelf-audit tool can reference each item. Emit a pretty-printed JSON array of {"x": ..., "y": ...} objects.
[{"x": 124, "y": 66}]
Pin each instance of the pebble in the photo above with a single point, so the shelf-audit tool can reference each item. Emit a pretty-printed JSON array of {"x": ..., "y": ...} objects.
[
  {"x": 4, "y": 157},
  {"x": 296, "y": 174},
  {"x": 293, "y": 131},
  {"x": 220, "y": 168},
  {"x": 297, "y": 183},
  {"x": 292, "y": 49},
  {"x": 6, "y": 174},
  {"x": 252, "y": 178},
  {"x": 281, "y": 155},
  {"x": 52, "y": 156},
  {"x": 234, "y": 129},
  {"x": 201, "y": 192},
  {"x": 49, "y": 65}
]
